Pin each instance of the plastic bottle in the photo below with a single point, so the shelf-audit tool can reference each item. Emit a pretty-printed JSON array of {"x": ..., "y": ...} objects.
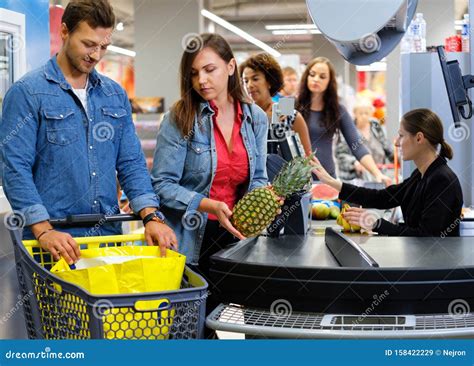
[
  {"x": 418, "y": 30},
  {"x": 465, "y": 33},
  {"x": 422, "y": 23},
  {"x": 407, "y": 41}
]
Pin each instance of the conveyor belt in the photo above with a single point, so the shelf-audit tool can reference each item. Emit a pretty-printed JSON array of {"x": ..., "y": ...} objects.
[{"x": 418, "y": 275}]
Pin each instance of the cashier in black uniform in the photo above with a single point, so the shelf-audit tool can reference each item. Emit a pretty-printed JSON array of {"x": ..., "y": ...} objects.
[{"x": 430, "y": 199}]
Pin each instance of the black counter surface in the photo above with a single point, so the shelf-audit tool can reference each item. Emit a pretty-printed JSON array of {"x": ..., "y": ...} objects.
[{"x": 413, "y": 275}]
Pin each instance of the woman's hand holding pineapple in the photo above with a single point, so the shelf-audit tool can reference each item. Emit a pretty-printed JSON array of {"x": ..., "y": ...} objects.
[{"x": 223, "y": 214}]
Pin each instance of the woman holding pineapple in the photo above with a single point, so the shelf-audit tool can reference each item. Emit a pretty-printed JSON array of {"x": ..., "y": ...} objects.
[
  {"x": 210, "y": 150},
  {"x": 430, "y": 199},
  {"x": 318, "y": 103}
]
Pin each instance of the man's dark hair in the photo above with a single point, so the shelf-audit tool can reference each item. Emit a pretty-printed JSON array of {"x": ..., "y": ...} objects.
[{"x": 97, "y": 13}]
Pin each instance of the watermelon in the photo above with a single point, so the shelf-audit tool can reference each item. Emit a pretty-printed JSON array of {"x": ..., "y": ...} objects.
[{"x": 322, "y": 191}]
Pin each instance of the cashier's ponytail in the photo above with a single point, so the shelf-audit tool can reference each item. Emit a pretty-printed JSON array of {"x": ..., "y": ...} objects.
[
  {"x": 427, "y": 122},
  {"x": 446, "y": 150}
]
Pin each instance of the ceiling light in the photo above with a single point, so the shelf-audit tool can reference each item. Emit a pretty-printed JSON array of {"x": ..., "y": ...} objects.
[
  {"x": 119, "y": 26},
  {"x": 223, "y": 23},
  {"x": 122, "y": 51},
  {"x": 282, "y": 32},
  {"x": 289, "y": 32},
  {"x": 289, "y": 26}
]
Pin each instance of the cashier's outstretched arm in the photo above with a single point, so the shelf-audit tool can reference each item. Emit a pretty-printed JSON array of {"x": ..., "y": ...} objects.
[{"x": 324, "y": 176}]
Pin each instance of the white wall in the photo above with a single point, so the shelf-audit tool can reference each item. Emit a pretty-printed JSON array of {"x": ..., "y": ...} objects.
[{"x": 160, "y": 26}]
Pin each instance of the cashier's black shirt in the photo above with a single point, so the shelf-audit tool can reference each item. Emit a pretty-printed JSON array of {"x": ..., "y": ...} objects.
[{"x": 431, "y": 205}]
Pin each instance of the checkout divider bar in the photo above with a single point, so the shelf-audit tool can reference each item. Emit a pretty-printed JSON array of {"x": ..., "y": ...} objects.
[{"x": 346, "y": 252}]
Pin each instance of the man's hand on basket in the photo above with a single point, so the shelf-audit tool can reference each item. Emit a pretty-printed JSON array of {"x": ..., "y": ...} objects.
[
  {"x": 60, "y": 245},
  {"x": 157, "y": 233}
]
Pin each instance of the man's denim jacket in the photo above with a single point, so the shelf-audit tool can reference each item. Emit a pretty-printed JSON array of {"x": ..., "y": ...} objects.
[{"x": 61, "y": 160}]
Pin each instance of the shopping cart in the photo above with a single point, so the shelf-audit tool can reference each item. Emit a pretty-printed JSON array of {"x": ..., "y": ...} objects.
[{"x": 55, "y": 309}]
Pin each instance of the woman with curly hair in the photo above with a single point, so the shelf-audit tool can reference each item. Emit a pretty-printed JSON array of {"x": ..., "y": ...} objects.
[
  {"x": 263, "y": 78},
  {"x": 319, "y": 104}
]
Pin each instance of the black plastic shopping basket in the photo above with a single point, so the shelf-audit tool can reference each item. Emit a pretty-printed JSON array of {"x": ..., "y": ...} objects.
[{"x": 55, "y": 309}]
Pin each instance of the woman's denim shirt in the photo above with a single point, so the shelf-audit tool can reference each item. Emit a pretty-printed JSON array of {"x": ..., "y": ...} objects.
[{"x": 184, "y": 168}]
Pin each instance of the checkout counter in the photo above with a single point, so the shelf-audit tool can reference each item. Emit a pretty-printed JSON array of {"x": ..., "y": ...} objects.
[{"x": 328, "y": 284}]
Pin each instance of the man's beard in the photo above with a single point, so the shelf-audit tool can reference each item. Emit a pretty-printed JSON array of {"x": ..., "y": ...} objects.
[{"x": 76, "y": 63}]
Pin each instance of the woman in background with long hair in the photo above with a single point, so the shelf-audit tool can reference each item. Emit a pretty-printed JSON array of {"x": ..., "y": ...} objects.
[{"x": 319, "y": 104}]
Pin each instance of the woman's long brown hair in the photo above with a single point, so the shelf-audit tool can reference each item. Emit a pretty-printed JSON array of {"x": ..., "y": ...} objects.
[
  {"x": 186, "y": 109},
  {"x": 330, "y": 113}
]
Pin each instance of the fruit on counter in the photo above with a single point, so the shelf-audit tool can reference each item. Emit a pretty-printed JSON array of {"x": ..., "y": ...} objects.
[
  {"x": 343, "y": 222},
  {"x": 322, "y": 191},
  {"x": 334, "y": 212},
  {"x": 320, "y": 211},
  {"x": 258, "y": 208}
]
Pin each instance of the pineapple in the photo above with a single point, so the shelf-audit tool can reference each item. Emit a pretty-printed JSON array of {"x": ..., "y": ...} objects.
[{"x": 258, "y": 208}]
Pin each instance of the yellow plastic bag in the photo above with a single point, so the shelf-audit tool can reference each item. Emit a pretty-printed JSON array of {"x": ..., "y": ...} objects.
[{"x": 147, "y": 273}]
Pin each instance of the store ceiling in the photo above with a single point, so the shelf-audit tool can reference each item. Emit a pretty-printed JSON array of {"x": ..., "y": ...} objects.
[{"x": 250, "y": 15}]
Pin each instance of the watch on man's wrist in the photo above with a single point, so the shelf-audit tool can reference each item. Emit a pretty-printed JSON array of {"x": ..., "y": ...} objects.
[{"x": 154, "y": 216}]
